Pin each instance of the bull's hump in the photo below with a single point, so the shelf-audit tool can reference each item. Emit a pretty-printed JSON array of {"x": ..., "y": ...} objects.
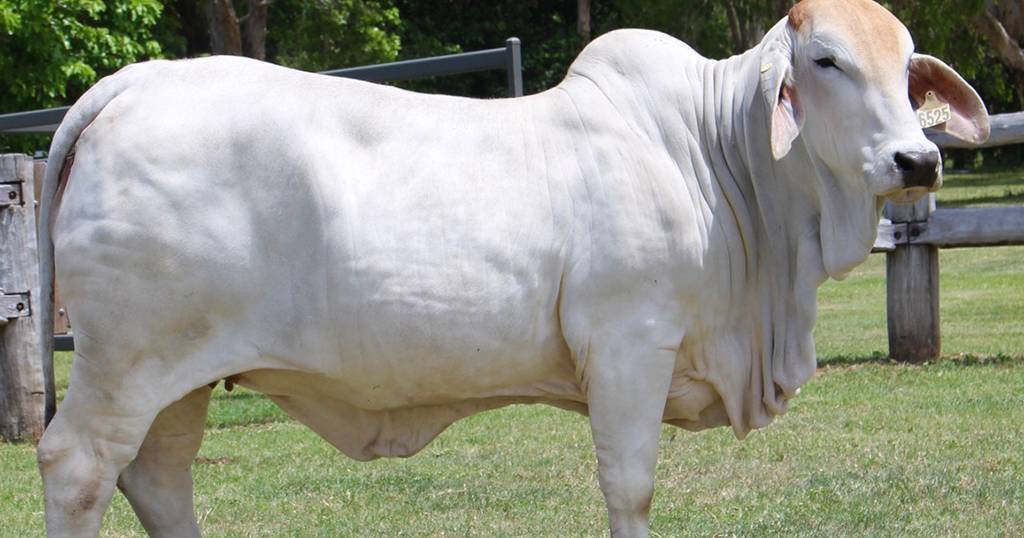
[{"x": 633, "y": 53}]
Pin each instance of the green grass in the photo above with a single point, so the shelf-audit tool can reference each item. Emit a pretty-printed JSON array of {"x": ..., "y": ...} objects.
[
  {"x": 986, "y": 188},
  {"x": 981, "y": 306},
  {"x": 872, "y": 449},
  {"x": 869, "y": 448}
]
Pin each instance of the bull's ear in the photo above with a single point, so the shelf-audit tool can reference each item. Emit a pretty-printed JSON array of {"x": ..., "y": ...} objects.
[
  {"x": 969, "y": 121},
  {"x": 783, "y": 100},
  {"x": 787, "y": 119}
]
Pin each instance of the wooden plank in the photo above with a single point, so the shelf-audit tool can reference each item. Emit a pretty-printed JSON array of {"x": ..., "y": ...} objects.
[
  {"x": 60, "y": 318},
  {"x": 1006, "y": 129},
  {"x": 912, "y": 290},
  {"x": 974, "y": 227},
  {"x": 22, "y": 397}
]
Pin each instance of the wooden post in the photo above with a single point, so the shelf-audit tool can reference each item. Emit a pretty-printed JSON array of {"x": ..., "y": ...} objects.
[
  {"x": 21, "y": 376},
  {"x": 912, "y": 286}
]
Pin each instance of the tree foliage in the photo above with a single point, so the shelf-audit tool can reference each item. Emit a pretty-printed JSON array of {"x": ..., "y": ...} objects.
[
  {"x": 51, "y": 50},
  {"x": 546, "y": 27},
  {"x": 329, "y": 34}
]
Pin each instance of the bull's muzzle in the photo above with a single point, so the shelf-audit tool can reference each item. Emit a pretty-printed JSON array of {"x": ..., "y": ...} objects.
[{"x": 919, "y": 168}]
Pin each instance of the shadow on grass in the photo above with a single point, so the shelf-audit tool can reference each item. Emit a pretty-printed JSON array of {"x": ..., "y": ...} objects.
[
  {"x": 975, "y": 187},
  {"x": 1009, "y": 197},
  {"x": 970, "y": 359},
  {"x": 1007, "y": 177},
  {"x": 849, "y": 360},
  {"x": 959, "y": 359},
  {"x": 219, "y": 423}
]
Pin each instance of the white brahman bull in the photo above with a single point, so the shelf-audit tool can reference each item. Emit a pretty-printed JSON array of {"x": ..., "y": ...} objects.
[{"x": 641, "y": 244}]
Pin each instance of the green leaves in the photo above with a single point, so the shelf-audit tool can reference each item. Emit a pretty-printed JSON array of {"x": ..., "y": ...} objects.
[
  {"x": 51, "y": 52},
  {"x": 329, "y": 34}
]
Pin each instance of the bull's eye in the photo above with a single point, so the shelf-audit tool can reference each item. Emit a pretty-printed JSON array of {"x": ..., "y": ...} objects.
[{"x": 826, "y": 63}]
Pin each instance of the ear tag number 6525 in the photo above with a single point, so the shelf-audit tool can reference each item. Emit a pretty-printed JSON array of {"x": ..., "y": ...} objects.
[{"x": 933, "y": 112}]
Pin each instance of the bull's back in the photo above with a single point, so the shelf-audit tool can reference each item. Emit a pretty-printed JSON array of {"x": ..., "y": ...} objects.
[{"x": 333, "y": 226}]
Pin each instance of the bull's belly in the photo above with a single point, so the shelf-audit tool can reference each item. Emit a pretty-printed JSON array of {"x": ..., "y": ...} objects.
[
  {"x": 395, "y": 413},
  {"x": 412, "y": 362},
  {"x": 369, "y": 419},
  {"x": 396, "y": 390}
]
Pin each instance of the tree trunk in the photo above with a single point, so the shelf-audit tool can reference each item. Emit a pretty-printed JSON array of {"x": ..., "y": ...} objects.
[
  {"x": 583, "y": 21},
  {"x": 1002, "y": 24},
  {"x": 735, "y": 32},
  {"x": 239, "y": 36},
  {"x": 225, "y": 34},
  {"x": 254, "y": 30}
]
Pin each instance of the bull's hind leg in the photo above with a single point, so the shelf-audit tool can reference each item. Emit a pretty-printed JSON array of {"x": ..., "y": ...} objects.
[
  {"x": 158, "y": 483},
  {"x": 94, "y": 435},
  {"x": 110, "y": 406}
]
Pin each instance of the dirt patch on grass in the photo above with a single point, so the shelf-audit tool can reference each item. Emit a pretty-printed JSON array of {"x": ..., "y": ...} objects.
[{"x": 223, "y": 460}]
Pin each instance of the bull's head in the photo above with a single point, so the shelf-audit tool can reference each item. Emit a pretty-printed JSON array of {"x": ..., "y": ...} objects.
[{"x": 843, "y": 84}]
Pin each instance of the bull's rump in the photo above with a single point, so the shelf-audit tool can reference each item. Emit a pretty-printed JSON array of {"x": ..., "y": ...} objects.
[{"x": 406, "y": 242}]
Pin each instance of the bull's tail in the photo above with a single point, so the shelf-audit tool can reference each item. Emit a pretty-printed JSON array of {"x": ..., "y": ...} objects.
[{"x": 61, "y": 155}]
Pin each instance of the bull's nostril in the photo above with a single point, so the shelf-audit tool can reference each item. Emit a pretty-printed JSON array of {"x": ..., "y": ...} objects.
[
  {"x": 919, "y": 168},
  {"x": 904, "y": 161}
]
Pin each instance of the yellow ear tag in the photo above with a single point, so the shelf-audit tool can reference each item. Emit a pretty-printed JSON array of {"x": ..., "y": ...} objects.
[{"x": 933, "y": 112}]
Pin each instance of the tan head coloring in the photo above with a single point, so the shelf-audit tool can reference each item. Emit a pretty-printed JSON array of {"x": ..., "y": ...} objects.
[{"x": 874, "y": 34}]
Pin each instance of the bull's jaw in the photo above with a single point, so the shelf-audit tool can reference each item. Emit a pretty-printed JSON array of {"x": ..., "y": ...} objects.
[
  {"x": 847, "y": 233},
  {"x": 844, "y": 211}
]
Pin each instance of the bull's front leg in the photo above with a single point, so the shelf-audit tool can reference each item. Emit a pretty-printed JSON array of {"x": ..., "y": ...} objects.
[{"x": 627, "y": 381}]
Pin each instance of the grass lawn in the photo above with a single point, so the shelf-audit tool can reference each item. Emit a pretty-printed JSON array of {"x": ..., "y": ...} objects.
[
  {"x": 869, "y": 448},
  {"x": 984, "y": 188}
]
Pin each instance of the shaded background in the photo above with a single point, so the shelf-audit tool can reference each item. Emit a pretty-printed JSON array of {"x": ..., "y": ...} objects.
[{"x": 51, "y": 52}]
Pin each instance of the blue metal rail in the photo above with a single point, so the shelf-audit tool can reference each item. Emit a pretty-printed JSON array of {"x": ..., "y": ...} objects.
[{"x": 508, "y": 58}]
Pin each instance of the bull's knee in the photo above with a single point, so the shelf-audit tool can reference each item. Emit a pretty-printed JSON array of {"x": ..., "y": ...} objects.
[
  {"x": 50, "y": 449},
  {"x": 80, "y": 459},
  {"x": 77, "y": 487},
  {"x": 629, "y": 493}
]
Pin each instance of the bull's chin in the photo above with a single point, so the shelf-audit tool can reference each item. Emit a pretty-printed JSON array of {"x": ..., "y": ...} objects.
[{"x": 907, "y": 196}]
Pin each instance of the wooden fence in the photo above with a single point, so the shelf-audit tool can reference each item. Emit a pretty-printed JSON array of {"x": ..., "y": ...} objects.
[
  {"x": 911, "y": 236},
  {"x": 22, "y": 395}
]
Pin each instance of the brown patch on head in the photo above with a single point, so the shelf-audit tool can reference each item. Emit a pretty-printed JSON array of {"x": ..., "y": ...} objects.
[
  {"x": 867, "y": 28},
  {"x": 798, "y": 15}
]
